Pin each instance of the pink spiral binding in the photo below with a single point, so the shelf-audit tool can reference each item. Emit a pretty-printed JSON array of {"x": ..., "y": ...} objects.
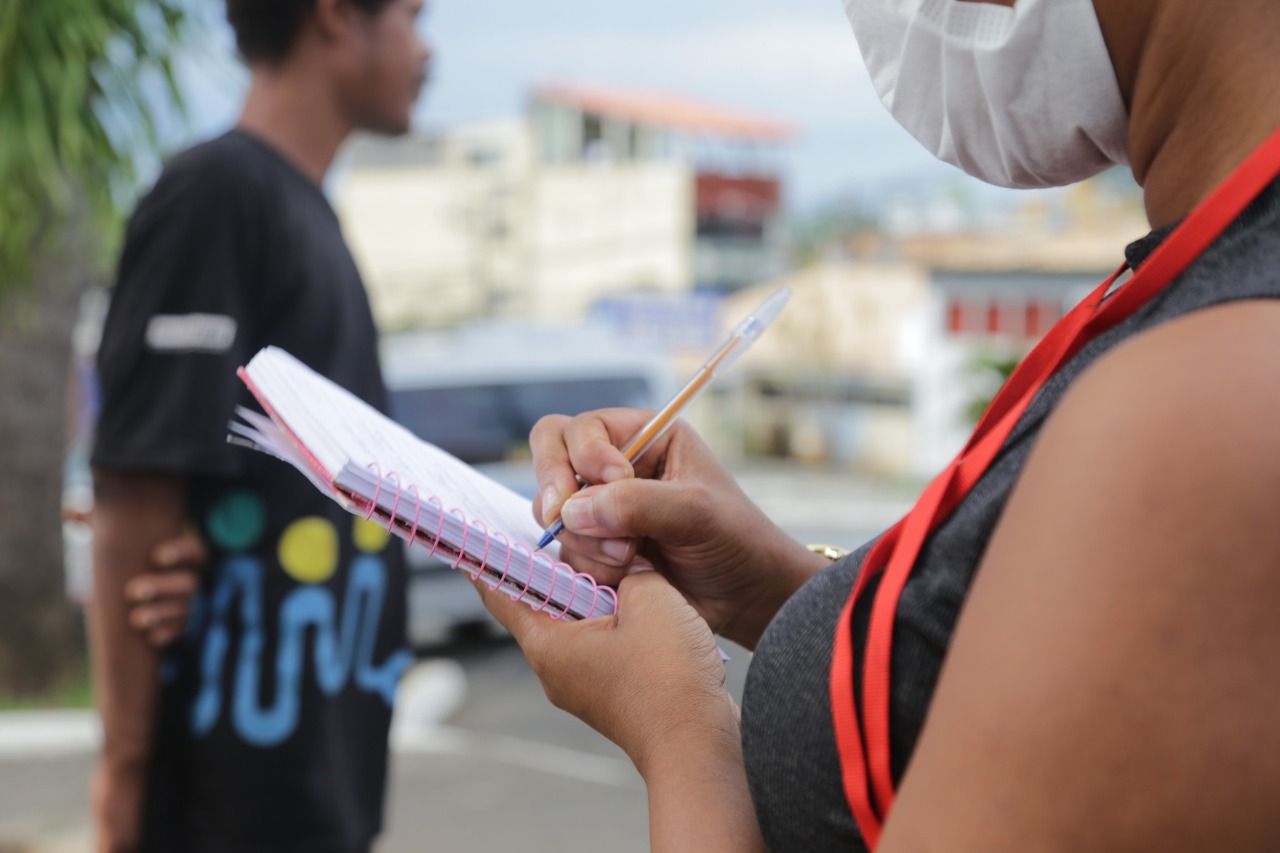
[
  {"x": 550, "y": 593},
  {"x": 417, "y": 511},
  {"x": 377, "y": 490},
  {"x": 393, "y": 519},
  {"x": 484, "y": 559},
  {"x": 395, "y": 507},
  {"x": 613, "y": 593},
  {"x": 466, "y": 530},
  {"x": 573, "y": 582},
  {"x": 435, "y": 543},
  {"x": 506, "y": 570},
  {"x": 520, "y": 595}
]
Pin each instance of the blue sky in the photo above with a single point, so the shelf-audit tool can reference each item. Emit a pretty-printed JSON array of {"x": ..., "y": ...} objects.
[{"x": 794, "y": 60}]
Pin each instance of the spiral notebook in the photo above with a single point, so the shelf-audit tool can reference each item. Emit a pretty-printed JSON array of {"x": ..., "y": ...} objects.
[{"x": 376, "y": 468}]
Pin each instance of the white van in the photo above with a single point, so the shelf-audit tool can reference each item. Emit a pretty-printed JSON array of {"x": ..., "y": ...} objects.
[{"x": 477, "y": 393}]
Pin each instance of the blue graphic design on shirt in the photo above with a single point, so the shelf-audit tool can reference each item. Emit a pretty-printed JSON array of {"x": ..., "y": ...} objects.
[{"x": 339, "y": 653}]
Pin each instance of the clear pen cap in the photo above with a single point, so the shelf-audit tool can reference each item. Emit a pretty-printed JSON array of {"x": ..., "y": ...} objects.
[{"x": 746, "y": 332}]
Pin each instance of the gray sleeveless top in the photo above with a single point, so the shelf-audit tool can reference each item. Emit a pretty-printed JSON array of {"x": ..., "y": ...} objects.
[{"x": 789, "y": 746}]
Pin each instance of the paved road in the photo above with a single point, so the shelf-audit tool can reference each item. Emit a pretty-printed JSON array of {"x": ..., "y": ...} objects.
[{"x": 498, "y": 743}]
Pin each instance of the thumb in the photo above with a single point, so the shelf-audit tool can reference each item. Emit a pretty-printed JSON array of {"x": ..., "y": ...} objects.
[
  {"x": 648, "y": 602},
  {"x": 637, "y": 507},
  {"x": 644, "y": 591}
]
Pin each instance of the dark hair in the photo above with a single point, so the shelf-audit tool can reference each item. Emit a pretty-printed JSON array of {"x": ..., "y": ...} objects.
[{"x": 265, "y": 29}]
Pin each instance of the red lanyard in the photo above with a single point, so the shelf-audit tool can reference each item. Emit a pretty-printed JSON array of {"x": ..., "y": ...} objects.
[{"x": 864, "y": 747}]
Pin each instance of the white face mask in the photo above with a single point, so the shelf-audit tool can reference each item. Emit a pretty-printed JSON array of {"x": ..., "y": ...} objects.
[{"x": 1018, "y": 97}]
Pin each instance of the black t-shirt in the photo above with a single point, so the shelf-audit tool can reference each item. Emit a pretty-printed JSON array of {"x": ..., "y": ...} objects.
[{"x": 276, "y": 705}]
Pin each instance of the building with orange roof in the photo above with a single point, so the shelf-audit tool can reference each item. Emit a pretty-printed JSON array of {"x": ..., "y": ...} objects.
[{"x": 592, "y": 193}]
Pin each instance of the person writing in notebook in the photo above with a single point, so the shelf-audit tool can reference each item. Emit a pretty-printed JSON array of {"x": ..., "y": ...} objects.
[
  {"x": 1070, "y": 643},
  {"x": 264, "y": 728}
]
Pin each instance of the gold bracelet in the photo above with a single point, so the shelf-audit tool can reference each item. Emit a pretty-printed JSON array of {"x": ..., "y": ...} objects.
[{"x": 831, "y": 552}]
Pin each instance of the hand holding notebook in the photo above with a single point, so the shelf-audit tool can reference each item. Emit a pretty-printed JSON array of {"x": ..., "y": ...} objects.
[{"x": 378, "y": 469}]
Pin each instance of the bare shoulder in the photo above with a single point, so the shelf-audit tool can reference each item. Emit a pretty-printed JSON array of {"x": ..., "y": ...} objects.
[
  {"x": 1171, "y": 442},
  {"x": 1218, "y": 367},
  {"x": 1182, "y": 419},
  {"x": 1110, "y": 684}
]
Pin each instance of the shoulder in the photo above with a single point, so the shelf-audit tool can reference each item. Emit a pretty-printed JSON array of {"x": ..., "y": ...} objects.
[
  {"x": 1162, "y": 463},
  {"x": 233, "y": 156},
  {"x": 1195, "y": 395},
  {"x": 217, "y": 191},
  {"x": 1119, "y": 640},
  {"x": 223, "y": 174}
]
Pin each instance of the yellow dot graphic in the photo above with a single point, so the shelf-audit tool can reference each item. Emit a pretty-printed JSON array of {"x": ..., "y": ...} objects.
[
  {"x": 309, "y": 550},
  {"x": 369, "y": 536}
]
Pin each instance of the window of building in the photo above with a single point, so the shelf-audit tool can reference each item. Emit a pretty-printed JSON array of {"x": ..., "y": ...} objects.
[
  {"x": 962, "y": 317},
  {"x": 1041, "y": 315},
  {"x": 1004, "y": 317}
]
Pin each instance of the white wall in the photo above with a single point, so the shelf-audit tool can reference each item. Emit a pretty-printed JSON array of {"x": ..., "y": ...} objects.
[
  {"x": 609, "y": 228},
  {"x": 485, "y": 230}
]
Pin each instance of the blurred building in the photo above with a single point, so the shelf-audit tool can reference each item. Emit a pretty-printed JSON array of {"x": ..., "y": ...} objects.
[
  {"x": 833, "y": 380},
  {"x": 886, "y": 350},
  {"x": 591, "y": 194}
]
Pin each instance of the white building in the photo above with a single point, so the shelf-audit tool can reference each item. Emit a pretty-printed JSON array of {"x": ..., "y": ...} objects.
[
  {"x": 592, "y": 193},
  {"x": 876, "y": 365}
]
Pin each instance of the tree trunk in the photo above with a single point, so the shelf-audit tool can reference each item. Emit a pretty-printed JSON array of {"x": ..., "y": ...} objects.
[{"x": 39, "y": 645}]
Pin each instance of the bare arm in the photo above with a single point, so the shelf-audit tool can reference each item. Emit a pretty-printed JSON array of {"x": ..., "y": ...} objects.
[
  {"x": 698, "y": 795},
  {"x": 132, "y": 515},
  {"x": 1111, "y": 683},
  {"x": 649, "y": 679}
]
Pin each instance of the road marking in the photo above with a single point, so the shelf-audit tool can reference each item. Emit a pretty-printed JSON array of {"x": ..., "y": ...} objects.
[
  {"x": 48, "y": 734},
  {"x": 532, "y": 755},
  {"x": 434, "y": 690},
  {"x": 430, "y": 693}
]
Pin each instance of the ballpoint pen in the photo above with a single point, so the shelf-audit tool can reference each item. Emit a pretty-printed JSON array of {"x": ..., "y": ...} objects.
[{"x": 743, "y": 336}]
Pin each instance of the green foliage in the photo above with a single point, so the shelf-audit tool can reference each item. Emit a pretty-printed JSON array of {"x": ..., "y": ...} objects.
[
  {"x": 993, "y": 370},
  {"x": 75, "y": 690},
  {"x": 78, "y": 82},
  {"x": 814, "y": 234}
]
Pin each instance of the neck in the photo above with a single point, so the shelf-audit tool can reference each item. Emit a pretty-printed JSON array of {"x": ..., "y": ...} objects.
[
  {"x": 291, "y": 108},
  {"x": 1199, "y": 106}
]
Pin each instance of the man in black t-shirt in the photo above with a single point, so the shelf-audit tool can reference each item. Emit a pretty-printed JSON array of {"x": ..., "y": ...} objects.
[{"x": 265, "y": 727}]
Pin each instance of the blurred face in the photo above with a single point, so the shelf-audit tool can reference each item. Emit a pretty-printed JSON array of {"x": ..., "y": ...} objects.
[{"x": 387, "y": 67}]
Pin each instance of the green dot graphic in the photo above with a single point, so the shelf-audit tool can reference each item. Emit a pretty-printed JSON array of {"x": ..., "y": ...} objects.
[{"x": 236, "y": 521}]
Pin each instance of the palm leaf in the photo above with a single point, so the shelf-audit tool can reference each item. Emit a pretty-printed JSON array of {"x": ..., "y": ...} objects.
[{"x": 75, "y": 113}]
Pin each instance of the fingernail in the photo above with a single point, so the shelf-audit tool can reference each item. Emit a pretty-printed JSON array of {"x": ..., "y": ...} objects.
[
  {"x": 616, "y": 549},
  {"x": 164, "y": 556},
  {"x": 143, "y": 591},
  {"x": 614, "y": 473},
  {"x": 579, "y": 512},
  {"x": 550, "y": 497}
]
